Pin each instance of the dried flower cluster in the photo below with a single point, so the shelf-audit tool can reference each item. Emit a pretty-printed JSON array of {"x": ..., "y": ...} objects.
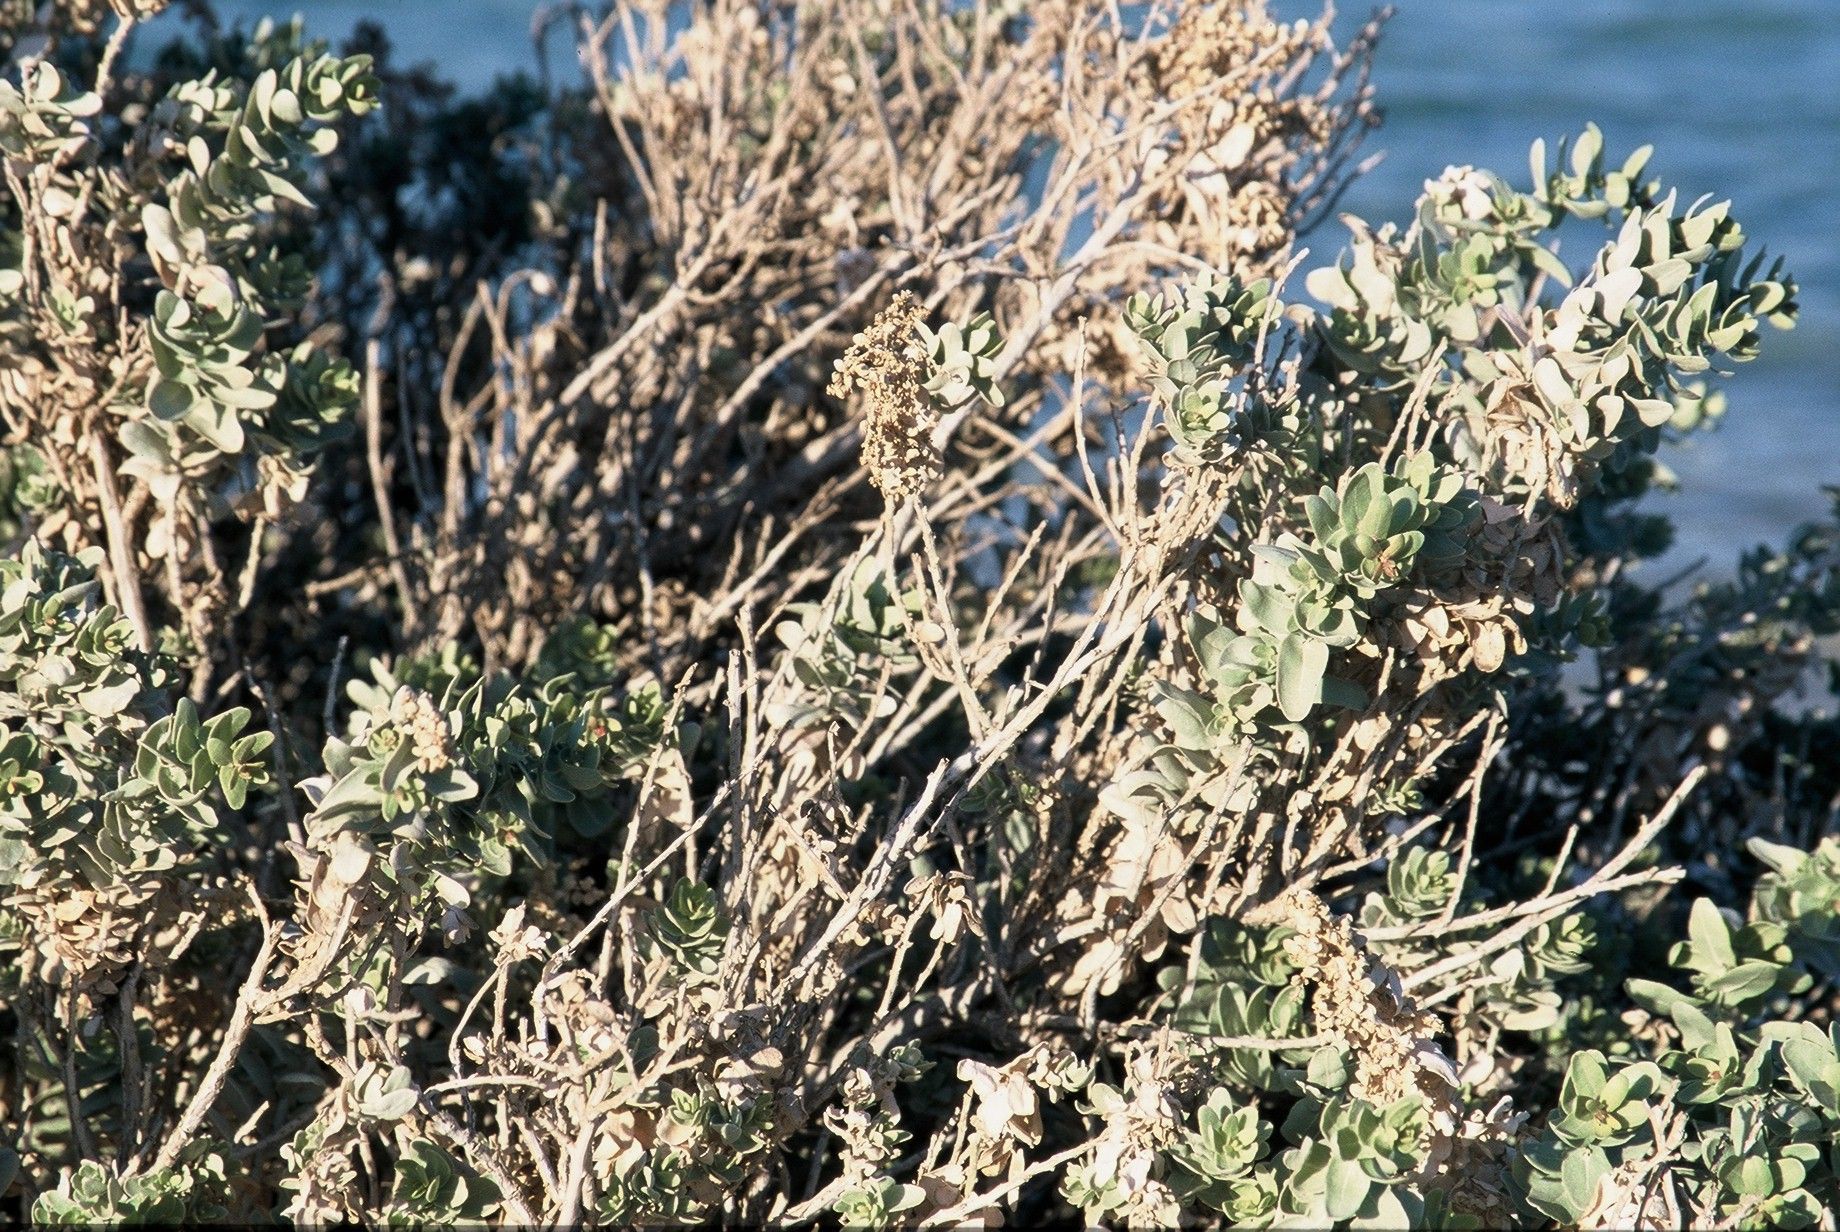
[
  {"x": 1363, "y": 1008},
  {"x": 887, "y": 364}
]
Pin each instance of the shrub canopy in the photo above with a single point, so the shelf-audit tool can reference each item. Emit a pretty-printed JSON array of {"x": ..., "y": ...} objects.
[{"x": 836, "y": 623}]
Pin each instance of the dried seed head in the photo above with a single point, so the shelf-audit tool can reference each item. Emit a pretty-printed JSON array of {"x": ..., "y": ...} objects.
[
  {"x": 1358, "y": 1002},
  {"x": 887, "y": 363}
]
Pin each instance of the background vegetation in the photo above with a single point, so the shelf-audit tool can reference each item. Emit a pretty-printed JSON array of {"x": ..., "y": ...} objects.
[{"x": 818, "y": 629}]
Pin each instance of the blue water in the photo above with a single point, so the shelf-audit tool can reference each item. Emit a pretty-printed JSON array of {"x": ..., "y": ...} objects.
[{"x": 1740, "y": 98}]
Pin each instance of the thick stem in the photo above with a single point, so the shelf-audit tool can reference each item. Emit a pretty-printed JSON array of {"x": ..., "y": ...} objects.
[
  {"x": 380, "y": 480},
  {"x": 121, "y": 552},
  {"x": 242, "y": 1018}
]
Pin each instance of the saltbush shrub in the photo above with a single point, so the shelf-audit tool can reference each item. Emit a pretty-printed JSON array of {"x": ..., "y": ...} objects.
[{"x": 835, "y": 623}]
